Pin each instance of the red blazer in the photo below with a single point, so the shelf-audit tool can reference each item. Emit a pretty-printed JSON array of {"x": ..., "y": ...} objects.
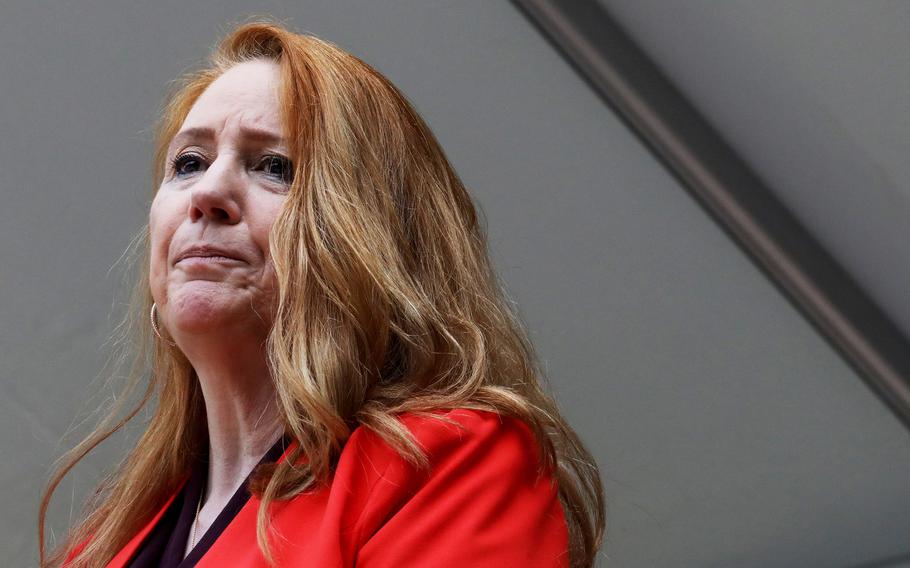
[{"x": 480, "y": 504}]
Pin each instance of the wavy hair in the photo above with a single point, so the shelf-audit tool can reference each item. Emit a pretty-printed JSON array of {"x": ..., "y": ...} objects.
[{"x": 387, "y": 303}]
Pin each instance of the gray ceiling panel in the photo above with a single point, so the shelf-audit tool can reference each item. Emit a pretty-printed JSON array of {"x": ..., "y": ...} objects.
[{"x": 813, "y": 95}]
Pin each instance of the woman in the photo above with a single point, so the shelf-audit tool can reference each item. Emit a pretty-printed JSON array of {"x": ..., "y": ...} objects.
[{"x": 339, "y": 378}]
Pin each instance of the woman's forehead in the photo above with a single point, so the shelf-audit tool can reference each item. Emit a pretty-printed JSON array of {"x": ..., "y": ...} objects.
[{"x": 244, "y": 98}]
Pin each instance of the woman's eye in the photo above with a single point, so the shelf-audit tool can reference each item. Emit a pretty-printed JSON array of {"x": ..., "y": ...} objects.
[
  {"x": 278, "y": 167},
  {"x": 186, "y": 164}
]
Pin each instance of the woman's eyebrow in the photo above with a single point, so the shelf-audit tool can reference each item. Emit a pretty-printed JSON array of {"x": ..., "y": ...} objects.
[
  {"x": 203, "y": 133},
  {"x": 196, "y": 133}
]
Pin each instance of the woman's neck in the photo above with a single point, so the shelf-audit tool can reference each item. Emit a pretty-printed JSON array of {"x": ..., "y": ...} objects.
[{"x": 241, "y": 412}]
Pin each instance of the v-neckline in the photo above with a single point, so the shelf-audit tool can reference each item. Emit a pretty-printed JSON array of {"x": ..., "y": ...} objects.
[{"x": 163, "y": 541}]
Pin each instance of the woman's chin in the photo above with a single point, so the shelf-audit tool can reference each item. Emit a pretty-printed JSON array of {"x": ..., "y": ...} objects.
[{"x": 200, "y": 311}]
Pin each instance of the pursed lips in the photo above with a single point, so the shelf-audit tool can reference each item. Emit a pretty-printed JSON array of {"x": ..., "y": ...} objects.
[{"x": 213, "y": 254}]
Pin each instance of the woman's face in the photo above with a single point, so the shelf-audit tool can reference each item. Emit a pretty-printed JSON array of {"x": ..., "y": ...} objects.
[{"x": 226, "y": 180}]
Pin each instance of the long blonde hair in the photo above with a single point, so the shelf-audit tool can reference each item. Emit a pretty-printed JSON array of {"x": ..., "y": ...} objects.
[{"x": 387, "y": 303}]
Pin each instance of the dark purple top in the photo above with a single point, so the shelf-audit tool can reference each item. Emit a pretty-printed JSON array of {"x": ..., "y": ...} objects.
[{"x": 164, "y": 546}]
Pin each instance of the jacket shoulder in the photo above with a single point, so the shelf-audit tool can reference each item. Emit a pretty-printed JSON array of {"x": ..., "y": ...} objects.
[
  {"x": 452, "y": 435},
  {"x": 484, "y": 498}
]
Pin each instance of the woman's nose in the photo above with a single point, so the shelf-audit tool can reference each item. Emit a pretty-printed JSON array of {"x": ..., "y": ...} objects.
[{"x": 215, "y": 196}]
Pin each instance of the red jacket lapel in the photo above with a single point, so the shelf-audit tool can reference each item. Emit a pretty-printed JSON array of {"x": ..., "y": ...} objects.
[{"x": 126, "y": 553}]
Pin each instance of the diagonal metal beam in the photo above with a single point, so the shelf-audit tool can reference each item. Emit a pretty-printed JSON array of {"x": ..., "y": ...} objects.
[
  {"x": 899, "y": 561},
  {"x": 735, "y": 197}
]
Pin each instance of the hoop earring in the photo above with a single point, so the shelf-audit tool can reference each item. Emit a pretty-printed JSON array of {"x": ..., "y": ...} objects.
[{"x": 153, "y": 315}]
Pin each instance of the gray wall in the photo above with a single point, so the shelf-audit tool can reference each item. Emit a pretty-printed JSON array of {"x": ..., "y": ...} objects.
[{"x": 728, "y": 433}]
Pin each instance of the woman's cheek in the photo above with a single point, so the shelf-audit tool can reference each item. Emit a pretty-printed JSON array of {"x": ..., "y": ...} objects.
[
  {"x": 158, "y": 255},
  {"x": 158, "y": 276}
]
